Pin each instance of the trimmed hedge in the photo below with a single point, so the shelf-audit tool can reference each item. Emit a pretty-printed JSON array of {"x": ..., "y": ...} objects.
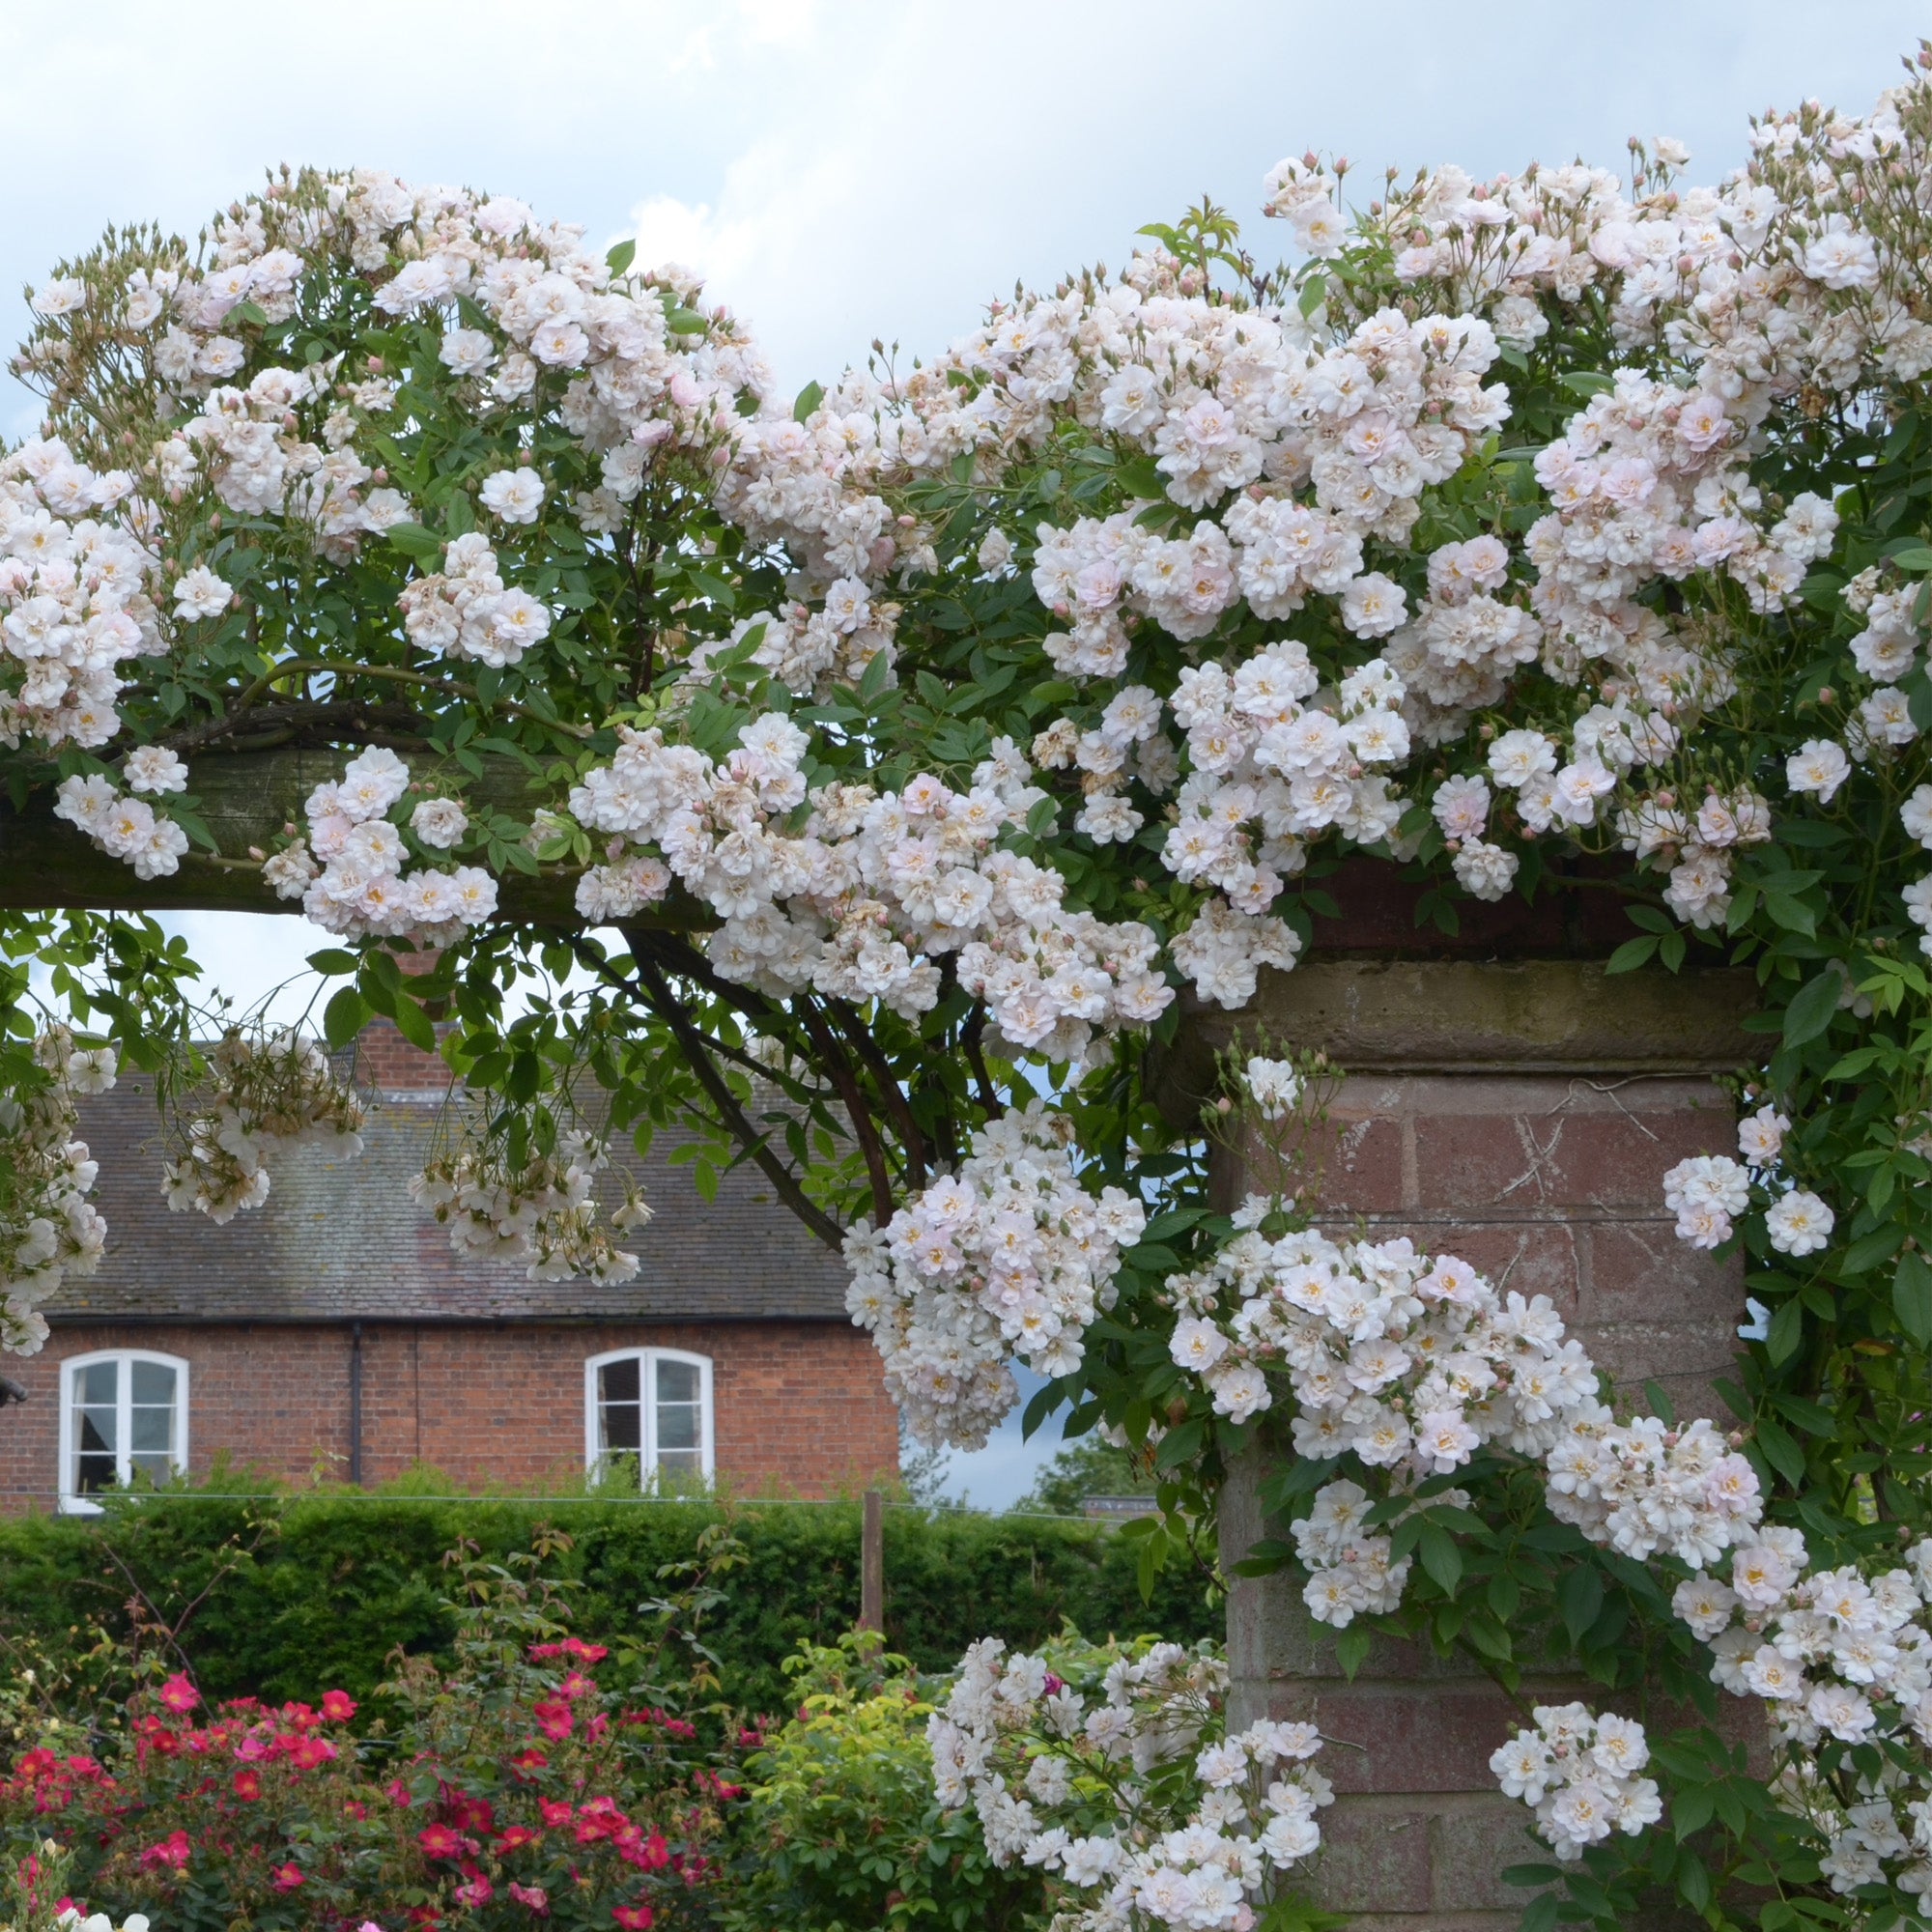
[{"x": 308, "y": 1591}]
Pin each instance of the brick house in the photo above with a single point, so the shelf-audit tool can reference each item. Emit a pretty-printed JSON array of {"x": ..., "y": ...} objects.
[{"x": 333, "y": 1329}]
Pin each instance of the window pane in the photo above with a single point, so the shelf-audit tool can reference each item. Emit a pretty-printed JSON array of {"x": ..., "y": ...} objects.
[
  {"x": 151, "y": 1431},
  {"x": 96, "y": 1384},
  {"x": 619, "y": 1427},
  {"x": 620, "y": 1418},
  {"x": 677, "y": 1426},
  {"x": 617, "y": 1381},
  {"x": 94, "y": 1440},
  {"x": 153, "y": 1385},
  {"x": 677, "y": 1381},
  {"x": 680, "y": 1463}
]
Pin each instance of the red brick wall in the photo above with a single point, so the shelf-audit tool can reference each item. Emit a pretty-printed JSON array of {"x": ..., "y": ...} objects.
[
  {"x": 1552, "y": 1184},
  {"x": 798, "y": 1407}
]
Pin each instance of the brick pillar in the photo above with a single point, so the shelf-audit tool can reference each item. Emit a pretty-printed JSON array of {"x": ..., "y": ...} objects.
[{"x": 1520, "y": 1114}]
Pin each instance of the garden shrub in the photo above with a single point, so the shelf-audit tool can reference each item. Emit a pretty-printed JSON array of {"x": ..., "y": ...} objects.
[
  {"x": 506, "y": 1783},
  {"x": 842, "y": 1830},
  {"x": 290, "y": 1590}
]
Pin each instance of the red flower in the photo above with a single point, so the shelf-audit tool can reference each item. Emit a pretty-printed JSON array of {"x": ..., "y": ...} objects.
[
  {"x": 471, "y": 1814},
  {"x": 337, "y": 1706},
  {"x": 287, "y": 1877},
  {"x": 354, "y": 1807},
  {"x": 248, "y": 1785},
  {"x": 556, "y": 1812},
  {"x": 575, "y": 1684},
  {"x": 596, "y": 1724},
  {"x": 632, "y": 1918},
  {"x": 308, "y": 1752},
  {"x": 514, "y": 1838},
  {"x": 440, "y": 1841},
  {"x": 300, "y": 1717},
  {"x": 532, "y": 1895},
  {"x": 398, "y": 1792},
  {"x": 527, "y": 1761},
  {"x": 589, "y": 1653},
  {"x": 553, "y": 1715},
  {"x": 172, "y": 1852},
  {"x": 179, "y": 1694}
]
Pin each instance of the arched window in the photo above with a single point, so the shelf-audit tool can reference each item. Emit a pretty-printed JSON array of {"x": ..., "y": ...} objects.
[
  {"x": 653, "y": 1405},
  {"x": 123, "y": 1410}
]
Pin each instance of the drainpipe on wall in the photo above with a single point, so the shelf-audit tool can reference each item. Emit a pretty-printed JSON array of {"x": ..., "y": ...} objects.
[{"x": 355, "y": 1402}]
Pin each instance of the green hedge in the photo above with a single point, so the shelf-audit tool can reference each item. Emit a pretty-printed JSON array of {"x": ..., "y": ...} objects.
[{"x": 304, "y": 1592}]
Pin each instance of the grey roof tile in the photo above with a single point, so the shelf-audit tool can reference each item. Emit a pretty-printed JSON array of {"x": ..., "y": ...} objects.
[{"x": 339, "y": 1240}]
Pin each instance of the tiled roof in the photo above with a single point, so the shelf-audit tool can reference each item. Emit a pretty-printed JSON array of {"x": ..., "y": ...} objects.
[{"x": 340, "y": 1240}]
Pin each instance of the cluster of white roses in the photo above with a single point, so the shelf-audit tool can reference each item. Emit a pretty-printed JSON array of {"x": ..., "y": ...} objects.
[
  {"x": 347, "y": 868},
  {"x": 247, "y": 445},
  {"x": 1412, "y": 1366},
  {"x": 858, "y": 901},
  {"x": 1840, "y": 1657},
  {"x": 1028, "y": 1749},
  {"x": 1708, "y": 1192},
  {"x": 1008, "y": 1257},
  {"x": 268, "y": 1094},
  {"x": 125, "y": 827},
  {"x": 1581, "y": 1774},
  {"x": 544, "y": 1213},
  {"x": 1264, "y": 762},
  {"x": 466, "y": 610},
  {"x": 1646, "y": 1485},
  {"x": 1408, "y": 1365},
  {"x": 78, "y": 586},
  {"x": 48, "y": 1229}
]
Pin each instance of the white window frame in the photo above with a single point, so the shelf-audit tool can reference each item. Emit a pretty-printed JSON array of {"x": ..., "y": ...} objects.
[
  {"x": 647, "y": 1359},
  {"x": 71, "y": 1501}
]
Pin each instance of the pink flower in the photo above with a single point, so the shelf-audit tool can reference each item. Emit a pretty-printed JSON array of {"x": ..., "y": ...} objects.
[
  {"x": 632, "y": 1918},
  {"x": 514, "y": 1838},
  {"x": 478, "y": 1890},
  {"x": 287, "y": 1877},
  {"x": 553, "y": 1715},
  {"x": 575, "y": 1684},
  {"x": 556, "y": 1812},
  {"x": 337, "y": 1706},
  {"x": 440, "y": 1841},
  {"x": 171, "y": 1851},
  {"x": 532, "y": 1895},
  {"x": 179, "y": 1694},
  {"x": 398, "y": 1792}
]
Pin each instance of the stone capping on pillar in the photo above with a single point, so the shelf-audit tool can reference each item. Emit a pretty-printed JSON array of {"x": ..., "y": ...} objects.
[{"x": 1475, "y": 1016}]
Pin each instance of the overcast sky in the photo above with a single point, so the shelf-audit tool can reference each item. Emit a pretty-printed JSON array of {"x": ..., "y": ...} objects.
[{"x": 846, "y": 171}]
